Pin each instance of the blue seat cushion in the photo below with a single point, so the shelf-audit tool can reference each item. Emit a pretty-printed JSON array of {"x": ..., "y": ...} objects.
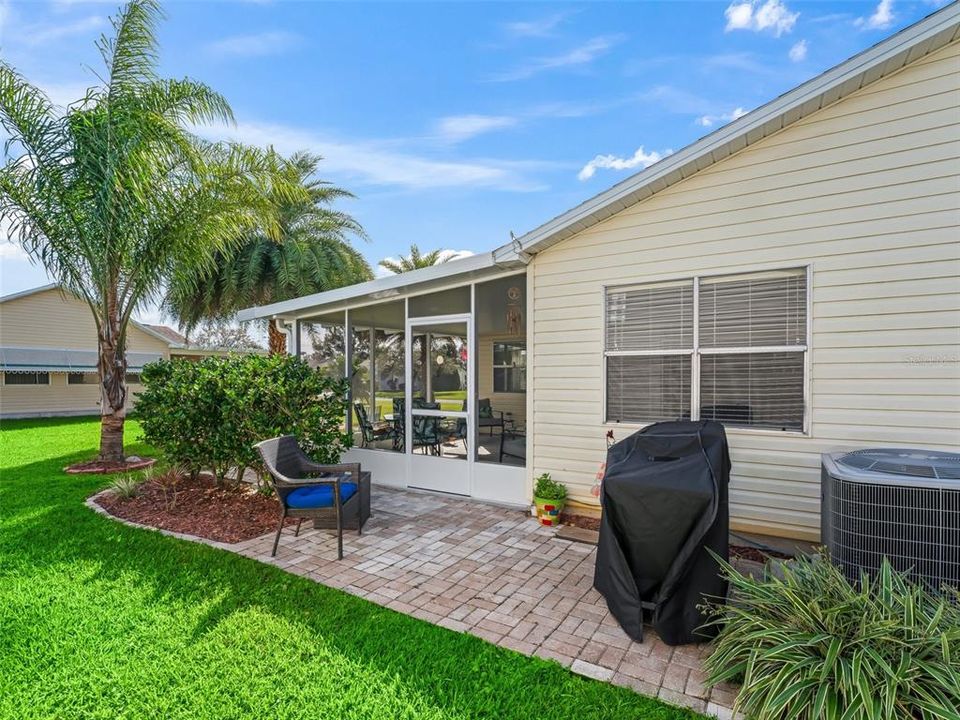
[{"x": 319, "y": 496}]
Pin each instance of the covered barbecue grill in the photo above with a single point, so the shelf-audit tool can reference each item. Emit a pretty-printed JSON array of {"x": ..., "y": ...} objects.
[{"x": 664, "y": 504}]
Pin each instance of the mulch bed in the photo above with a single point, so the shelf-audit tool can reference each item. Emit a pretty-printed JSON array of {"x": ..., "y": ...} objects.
[
  {"x": 581, "y": 521},
  {"x": 228, "y": 515},
  {"x": 98, "y": 467},
  {"x": 755, "y": 554}
]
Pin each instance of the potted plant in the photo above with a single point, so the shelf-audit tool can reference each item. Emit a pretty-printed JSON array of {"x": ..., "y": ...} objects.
[{"x": 549, "y": 496}]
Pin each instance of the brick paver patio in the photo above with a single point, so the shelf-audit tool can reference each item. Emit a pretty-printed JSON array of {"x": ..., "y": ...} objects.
[{"x": 497, "y": 574}]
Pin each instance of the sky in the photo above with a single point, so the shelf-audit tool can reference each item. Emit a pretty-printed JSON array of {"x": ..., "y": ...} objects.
[{"x": 455, "y": 124}]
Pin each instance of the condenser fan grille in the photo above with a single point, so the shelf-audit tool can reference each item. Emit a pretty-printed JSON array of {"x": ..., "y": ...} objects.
[
  {"x": 899, "y": 504},
  {"x": 904, "y": 462}
]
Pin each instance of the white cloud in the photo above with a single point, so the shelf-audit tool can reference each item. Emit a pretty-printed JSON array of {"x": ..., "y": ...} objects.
[
  {"x": 34, "y": 35},
  {"x": 881, "y": 19},
  {"x": 379, "y": 163},
  {"x": 457, "y": 128},
  {"x": 544, "y": 27},
  {"x": 640, "y": 159},
  {"x": 798, "y": 53},
  {"x": 578, "y": 56},
  {"x": 722, "y": 118},
  {"x": 10, "y": 249},
  {"x": 772, "y": 15},
  {"x": 258, "y": 45}
]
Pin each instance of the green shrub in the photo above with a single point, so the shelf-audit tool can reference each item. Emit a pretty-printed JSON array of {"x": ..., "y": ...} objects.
[
  {"x": 812, "y": 645},
  {"x": 208, "y": 414},
  {"x": 126, "y": 486},
  {"x": 549, "y": 489}
]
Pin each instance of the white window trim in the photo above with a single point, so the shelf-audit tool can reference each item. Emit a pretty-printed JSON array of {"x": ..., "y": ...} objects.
[
  {"x": 494, "y": 367},
  {"x": 696, "y": 352}
]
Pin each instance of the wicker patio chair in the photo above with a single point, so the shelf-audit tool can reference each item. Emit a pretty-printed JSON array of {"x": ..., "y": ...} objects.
[
  {"x": 371, "y": 432},
  {"x": 333, "y": 496}
]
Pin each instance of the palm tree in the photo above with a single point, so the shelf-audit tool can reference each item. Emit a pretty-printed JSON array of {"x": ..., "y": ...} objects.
[
  {"x": 312, "y": 254},
  {"x": 113, "y": 193},
  {"x": 415, "y": 261}
]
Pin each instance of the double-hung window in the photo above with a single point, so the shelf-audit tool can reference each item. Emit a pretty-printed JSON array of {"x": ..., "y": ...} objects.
[
  {"x": 730, "y": 348},
  {"x": 510, "y": 367}
]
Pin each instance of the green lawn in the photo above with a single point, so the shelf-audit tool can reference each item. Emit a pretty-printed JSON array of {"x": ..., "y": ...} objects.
[
  {"x": 448, "y": 399},
  {"x": 98, "y": 620}
]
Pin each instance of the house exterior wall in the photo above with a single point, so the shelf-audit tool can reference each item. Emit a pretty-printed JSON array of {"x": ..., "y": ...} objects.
[
  {"x": 866, "y": 193},
  {"x": 58, "y": 320},
  {"x": 57, "y": 398}
]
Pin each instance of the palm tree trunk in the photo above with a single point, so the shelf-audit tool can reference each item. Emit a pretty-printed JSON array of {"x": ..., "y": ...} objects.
[
  {"x": 277, "y": 340},
  {"x": 112, "y": 369}
]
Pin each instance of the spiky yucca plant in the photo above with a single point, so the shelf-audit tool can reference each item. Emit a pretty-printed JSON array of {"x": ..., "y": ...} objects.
[{"x": 811, "y": 645}]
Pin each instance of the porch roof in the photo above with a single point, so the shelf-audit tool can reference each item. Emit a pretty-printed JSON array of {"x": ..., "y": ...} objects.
[{"x": 391, "y": 287}]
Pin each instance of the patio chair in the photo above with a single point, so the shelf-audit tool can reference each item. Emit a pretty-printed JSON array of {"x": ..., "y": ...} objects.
[
  {"x": 371, "y": 432},
  {"x": 399, "y": 418},
  {"x": 426, "y": 429},
  {"x": 331, "y": 495},
  {"x": 487, "y": 417}
]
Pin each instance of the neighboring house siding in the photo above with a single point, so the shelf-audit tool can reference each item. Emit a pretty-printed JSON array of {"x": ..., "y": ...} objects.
[
  {"x": 57, "y": 398},
  {"x": 52, "y": 319},
  {"x": 59, "y": 320},
  {"x": 513, "y": 403},
  {"x": 867, "y": 193}
]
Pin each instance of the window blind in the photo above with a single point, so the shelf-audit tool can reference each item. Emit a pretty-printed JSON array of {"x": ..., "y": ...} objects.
[
  {"x": 761, "y": 390},
  {"x": 650, "y": 318},
  {"x": 648, "y": 388},
  {"x": 766, "y": 309}
]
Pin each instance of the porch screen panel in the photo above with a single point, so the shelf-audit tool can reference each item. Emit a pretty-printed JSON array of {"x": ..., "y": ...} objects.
[
  {"x": 648, "y": 388},
  {"x": 648, "y": 348},
  {"x": 753, "y": 331}
]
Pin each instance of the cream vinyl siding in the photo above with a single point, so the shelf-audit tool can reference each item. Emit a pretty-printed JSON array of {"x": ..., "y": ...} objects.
[
  {"x": 515, "y": 403},
  {"x": 57, "y": 398},
  {"x": 867, "y": 194},
  {"x": 60, "y": 320}
]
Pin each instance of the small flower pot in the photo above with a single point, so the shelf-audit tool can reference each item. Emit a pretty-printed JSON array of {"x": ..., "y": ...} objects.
[{"x": 548, "y": 511}]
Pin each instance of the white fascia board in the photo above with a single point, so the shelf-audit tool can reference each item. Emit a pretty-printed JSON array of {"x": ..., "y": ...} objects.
[{"x": 392, "y": 285}]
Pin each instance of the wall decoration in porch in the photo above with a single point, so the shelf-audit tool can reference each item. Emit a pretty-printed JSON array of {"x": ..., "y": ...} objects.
[{"x": 514, "y": 313}]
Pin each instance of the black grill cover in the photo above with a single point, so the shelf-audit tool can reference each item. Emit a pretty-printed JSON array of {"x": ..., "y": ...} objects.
[{"x": 664, "y": 503}]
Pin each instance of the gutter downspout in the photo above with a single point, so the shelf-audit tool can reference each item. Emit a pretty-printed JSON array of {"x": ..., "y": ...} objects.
[{"x": 287, "y": 330}]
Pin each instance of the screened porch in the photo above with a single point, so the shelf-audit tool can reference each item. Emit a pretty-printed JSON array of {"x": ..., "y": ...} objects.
[{"x": 437, "y": 384}]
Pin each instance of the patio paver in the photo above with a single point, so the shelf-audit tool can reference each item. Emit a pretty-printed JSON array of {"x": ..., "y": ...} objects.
[{"x": 497, "y": 574}]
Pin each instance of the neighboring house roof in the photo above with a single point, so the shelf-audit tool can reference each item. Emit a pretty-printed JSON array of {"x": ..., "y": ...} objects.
[
  {"x": 13, "y": 359},
  {"x": 886, "y": 57},
  {"x": 167, "y": 332}
]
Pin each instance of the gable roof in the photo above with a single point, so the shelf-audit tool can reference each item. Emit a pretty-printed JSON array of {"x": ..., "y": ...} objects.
[
  {"x": 886, "y": 57},
  {"x": 168, "y": 333},
  {"x": 161, "y": 332},
  {"x": 151, "y": 330}
]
